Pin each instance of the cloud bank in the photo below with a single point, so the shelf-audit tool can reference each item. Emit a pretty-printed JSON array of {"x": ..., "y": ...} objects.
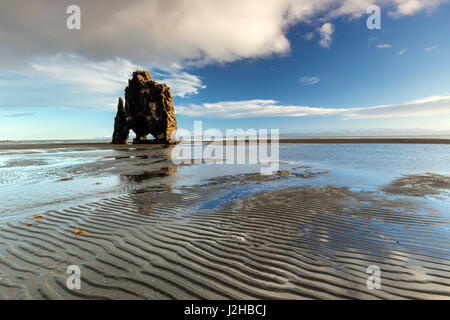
[
  {"x": 163, "y": 32},
  {"x": 431, "y": 106},
  {"x": 164, "y": 36}
]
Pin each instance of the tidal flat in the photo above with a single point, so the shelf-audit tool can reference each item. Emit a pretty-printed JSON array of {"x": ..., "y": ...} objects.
[{"x": 141, "y": 227}]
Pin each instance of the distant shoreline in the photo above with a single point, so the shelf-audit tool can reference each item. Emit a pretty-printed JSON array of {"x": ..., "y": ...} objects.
[{"x": 11, "y": 146}]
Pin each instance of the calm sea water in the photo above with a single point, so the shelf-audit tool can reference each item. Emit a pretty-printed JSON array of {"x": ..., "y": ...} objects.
[{"x": 29, "y": 178}]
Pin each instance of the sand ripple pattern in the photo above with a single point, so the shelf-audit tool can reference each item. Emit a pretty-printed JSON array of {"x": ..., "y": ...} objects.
[{"x": 300, "y": 243}]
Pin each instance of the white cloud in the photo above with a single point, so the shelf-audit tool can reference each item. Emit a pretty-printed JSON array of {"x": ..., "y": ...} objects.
[
  {"x": 409, "y": 7},
  {"x": 110, "y": 76},
  {"x": 430, "y": 48},
  {"x": 180, "y": 82},
  {"x": 384, "y": 46},
  {"x": 326, "y": 31},
  {"x": 437, "y": 105},
  {"x": 309, "y": 36},
  {"x": 248, "y": 109},
  {"x": 401, "y": 52},
  {"x": 309, "y": 80}
]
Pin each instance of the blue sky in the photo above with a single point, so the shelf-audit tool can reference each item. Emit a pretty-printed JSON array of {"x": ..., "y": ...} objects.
[{"x": 319, "y": 72}]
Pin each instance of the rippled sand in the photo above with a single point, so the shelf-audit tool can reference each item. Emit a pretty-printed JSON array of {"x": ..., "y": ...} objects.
[{"x": 231, "y": 236}]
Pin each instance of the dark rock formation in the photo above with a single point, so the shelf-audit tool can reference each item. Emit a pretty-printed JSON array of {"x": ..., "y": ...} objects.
[
  {"x": 148, "y": 110},
  {"x": 121, "y": 129}
]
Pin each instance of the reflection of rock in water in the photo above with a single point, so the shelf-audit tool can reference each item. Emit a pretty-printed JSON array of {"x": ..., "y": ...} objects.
[
  {"x": 149, "y": 187},
  {"x": 150, "y": 170},
  {"x": 148, "y": 110},
  {"x": 418, "y": 185}
]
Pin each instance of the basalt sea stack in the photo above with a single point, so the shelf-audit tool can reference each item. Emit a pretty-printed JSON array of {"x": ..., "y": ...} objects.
[{"x": 148, "y": 110}]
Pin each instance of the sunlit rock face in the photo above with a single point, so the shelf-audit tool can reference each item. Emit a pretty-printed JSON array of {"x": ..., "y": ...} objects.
[{"x": 148, "y": 109}]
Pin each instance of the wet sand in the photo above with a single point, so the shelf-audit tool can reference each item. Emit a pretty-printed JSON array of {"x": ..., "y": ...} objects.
[
  {"x": 302, "y": 243},
  {"x": 159, "y": 240}
]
